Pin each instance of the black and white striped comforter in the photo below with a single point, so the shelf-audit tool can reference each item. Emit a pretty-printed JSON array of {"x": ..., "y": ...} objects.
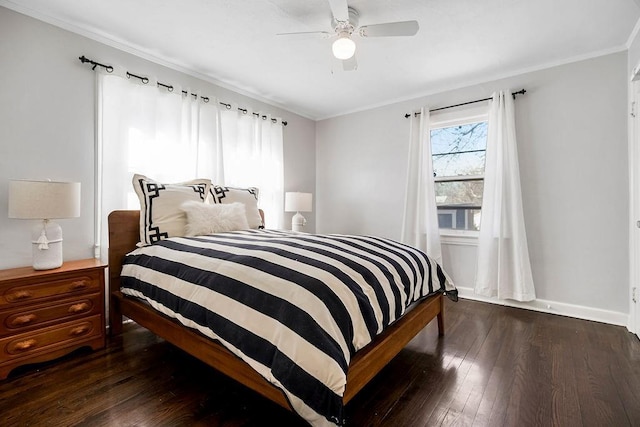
[{"x": 294, "y": 306}]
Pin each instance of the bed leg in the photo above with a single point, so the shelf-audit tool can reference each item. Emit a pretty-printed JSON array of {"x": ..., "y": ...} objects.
[
  {"x": 115, "y": 318},
  {"x": 441, "y": 317}
]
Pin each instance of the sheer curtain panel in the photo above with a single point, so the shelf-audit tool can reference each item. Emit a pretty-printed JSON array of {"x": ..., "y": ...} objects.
[
  {"x": 145, "y": 129},
  {"x": 253, "y": 157},
  {"x": 420, "y": 222},
  {"x": 504, "y": 269}
]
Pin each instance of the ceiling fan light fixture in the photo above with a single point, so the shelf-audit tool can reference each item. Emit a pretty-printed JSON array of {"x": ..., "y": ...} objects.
[{"x": 343, "y": 47}]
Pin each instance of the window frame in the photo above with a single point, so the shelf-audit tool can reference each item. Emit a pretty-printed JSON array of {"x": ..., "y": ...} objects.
[{"x": 449, "y": 118}]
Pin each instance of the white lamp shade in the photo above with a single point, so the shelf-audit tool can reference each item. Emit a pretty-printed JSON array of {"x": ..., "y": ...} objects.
[
  {"x": 298, "y": 202},
  {"x": 43, "y": 199}
]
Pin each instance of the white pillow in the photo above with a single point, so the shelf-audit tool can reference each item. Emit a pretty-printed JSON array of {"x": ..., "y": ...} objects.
[
  {"x": 248, "y": 196},
  {"x": 205, "y": 219},
  {"x": 160, "y": 213}
]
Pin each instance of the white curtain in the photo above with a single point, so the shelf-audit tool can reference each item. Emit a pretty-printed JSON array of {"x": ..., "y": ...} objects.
[
  {"x": 143, "y": 128},
  {"x": 503, "y": 269},
  {"x": 253, "y": 157},
  {"x": 420, "y": 222}
]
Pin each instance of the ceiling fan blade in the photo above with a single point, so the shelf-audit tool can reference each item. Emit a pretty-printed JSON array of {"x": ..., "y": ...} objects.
[
  {"x": 307, "y": 34},
  {"x": 350, "y": 64},
  {"x": 339, "y": 9},
  {"x": 390, "y": 29}
]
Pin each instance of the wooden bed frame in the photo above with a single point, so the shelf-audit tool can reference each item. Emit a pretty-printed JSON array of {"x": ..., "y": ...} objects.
[{"x": 365, "y": 364}]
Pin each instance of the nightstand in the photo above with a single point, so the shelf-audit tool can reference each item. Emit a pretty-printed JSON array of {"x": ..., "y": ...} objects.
[{"x": 47, "y": 314}]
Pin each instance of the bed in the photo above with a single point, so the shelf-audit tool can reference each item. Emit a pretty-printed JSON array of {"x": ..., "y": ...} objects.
[{"x": 363, "y": 365}]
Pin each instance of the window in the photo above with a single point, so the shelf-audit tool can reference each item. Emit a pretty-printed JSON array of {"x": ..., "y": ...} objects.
[{"x": 458, "y": 150}]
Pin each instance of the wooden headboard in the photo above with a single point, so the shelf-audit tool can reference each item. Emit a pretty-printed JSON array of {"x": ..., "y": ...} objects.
[{"x": 124, "y": 234}]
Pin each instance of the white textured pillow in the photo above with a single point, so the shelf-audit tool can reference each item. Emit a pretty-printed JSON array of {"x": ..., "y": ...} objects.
[
  {"x": 160, "y": 213},
  {"x": 205, "y": 219},
  {"x": 248, "y": 196}
]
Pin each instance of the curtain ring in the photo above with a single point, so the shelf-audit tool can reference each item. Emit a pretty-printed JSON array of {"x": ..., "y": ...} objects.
[{"x": 144, "y": 80}]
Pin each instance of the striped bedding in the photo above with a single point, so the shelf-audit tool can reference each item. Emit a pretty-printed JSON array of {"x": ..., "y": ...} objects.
[{"x": 294, "y": 306}]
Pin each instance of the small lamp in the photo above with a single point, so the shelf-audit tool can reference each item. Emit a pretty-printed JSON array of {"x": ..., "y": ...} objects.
[
  {"x": 297, "y": 202},
  {"x": 45, "y": 200}
]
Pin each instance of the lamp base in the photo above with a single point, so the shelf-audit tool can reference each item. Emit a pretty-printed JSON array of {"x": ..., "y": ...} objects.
[
  {"x": 298, "y": 222},
  {"x": 46, "y": 245}
]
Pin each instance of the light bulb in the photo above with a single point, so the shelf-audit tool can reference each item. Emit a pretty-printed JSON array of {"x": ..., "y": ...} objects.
[{"x": 343, "y": 47}]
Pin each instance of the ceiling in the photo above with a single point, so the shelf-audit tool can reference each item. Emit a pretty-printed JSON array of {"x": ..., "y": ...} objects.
[{"x": 234, "y": 43}]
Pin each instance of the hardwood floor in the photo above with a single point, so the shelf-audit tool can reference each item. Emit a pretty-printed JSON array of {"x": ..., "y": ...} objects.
[{"x": 496, "y": 366}]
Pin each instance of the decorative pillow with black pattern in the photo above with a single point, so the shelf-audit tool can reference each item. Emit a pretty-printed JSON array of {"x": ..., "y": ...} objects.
[
  {"x": 161, "y": 215},
  {"x": 247, "y": 196}
]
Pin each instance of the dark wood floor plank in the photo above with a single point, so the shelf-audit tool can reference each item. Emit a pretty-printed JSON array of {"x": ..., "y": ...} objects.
[
  {"x": 484, "y": 362},
  {"x": 565, "y": 405},
  {"x": 465, "y": 342},
  {"x": 532, "y": 379},
  {"x": 496, "y": 366},
  {"x": 600, "y": 402}
]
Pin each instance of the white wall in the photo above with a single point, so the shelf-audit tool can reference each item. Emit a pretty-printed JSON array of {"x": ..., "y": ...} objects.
[
  {"x": 47, "y": 124},
  {"x": 572, "y": 139}
]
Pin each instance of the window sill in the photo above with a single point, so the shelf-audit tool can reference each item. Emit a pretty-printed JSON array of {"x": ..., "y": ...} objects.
[{"x": 459, "y": 237}]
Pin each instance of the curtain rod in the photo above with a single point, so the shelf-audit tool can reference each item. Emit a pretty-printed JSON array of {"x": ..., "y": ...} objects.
[
  {"x": 169, "y": 88},
  {"x": 520, "y": 92}
]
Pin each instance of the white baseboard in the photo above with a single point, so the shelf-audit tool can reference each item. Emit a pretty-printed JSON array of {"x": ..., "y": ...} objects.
[{"x": 554, "y": 307}]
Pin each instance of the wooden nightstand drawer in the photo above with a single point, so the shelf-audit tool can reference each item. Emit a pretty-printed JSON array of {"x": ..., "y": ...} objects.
[
  {"x": 25, "y": 318},
  {"x": 45, "y": 314},
  {"x": 31, "y": 293},
  {"x": 50, "y": 339}
]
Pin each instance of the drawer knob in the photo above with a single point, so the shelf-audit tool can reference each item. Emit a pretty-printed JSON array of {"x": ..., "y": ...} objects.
[
  {"x": 77, "y": 285},
  {"x": 21, "y": 295},
  {"x": 25, "y": 345},
  {"x": 78, "y": 308},
  {"x": 23, "y": 320},
  {"x": 80, "y": 330}
]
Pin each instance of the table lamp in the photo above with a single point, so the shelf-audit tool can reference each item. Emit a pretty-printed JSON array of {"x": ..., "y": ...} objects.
[
  {"x": 297, "y": 202},
  {"x": 44, "y": 200}
]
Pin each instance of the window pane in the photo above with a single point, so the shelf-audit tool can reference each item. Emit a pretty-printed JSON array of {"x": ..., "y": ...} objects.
[
  {"x": 456, "y": 193},
  {"x": 459, "y": 138},
  {"x": 459, "y": 164},
  {"x": 459, "y": 150}
]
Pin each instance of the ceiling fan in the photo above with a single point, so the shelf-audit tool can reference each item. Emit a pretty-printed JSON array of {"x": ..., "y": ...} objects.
[{"x": 345, "y": 24}]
